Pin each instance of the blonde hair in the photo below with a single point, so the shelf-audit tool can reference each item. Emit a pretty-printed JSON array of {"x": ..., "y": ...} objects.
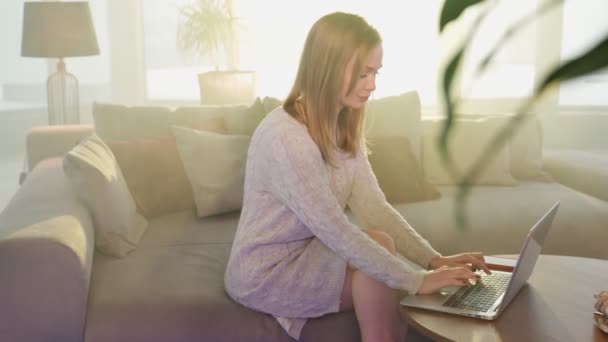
[{"x": 314, "y": 98}]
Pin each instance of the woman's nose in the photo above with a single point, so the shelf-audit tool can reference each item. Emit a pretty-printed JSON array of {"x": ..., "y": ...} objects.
[{"x": 371, "y": 83}]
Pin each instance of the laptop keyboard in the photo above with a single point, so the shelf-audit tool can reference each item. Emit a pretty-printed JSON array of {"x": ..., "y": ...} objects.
[{"x": 480, "y": 296}]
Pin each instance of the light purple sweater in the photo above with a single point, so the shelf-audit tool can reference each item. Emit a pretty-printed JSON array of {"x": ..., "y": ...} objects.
[{"x": 294, "y": 241}]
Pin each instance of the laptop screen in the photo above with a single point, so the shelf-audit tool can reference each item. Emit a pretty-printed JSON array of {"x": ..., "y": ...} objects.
[{"x": 529, "y": 255}]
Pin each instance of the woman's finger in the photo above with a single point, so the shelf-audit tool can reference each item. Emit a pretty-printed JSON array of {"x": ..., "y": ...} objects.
[
  {"x": 477, "y": 255},
  {"x": 464, "y": 273},
  {"x": 479, "y": 263}
]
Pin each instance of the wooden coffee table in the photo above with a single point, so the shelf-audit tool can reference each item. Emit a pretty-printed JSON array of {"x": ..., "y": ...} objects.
[{"x": 556, "y": 305}]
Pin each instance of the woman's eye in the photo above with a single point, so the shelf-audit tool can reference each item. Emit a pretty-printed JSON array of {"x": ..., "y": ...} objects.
[{"x": 376, "y": 73}]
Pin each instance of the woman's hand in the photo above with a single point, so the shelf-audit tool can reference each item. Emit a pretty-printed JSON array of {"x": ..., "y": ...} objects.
[
  {"x": 445, "y": 276},
  {"x": 472, "y": 261}
]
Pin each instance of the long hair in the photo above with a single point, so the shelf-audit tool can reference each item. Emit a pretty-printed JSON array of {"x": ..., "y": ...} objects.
[{"x": 314, "y": 98}]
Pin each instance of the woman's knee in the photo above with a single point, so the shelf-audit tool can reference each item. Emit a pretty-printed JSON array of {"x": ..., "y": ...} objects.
[{"x": 383, "y": 239}]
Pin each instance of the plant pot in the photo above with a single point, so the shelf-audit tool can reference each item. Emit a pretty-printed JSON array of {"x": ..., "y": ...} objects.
[{"x": 225, "y": 87}]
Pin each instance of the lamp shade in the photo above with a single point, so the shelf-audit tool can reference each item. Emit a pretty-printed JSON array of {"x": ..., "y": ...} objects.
[{"x": 58, "y": 29}]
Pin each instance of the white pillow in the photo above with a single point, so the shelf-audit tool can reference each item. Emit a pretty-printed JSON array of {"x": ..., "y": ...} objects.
[
  {"x": 215, "y": 166},
  {"x": 99, "y": 183},
  {"x": 468, "y": 139}
]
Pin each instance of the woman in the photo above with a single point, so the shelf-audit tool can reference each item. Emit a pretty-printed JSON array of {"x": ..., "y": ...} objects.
[{"x": 295, "y": 253}]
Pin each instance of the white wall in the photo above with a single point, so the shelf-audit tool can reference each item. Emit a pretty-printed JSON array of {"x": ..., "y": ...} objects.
[
  {"x": 13, "y": 67},
  {"x": 94, "y": 69},
  {"x": 126, "y": 44},
  {"x": 24, "y": 78}
]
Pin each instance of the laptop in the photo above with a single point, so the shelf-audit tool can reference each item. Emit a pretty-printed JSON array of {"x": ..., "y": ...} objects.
[{"x": 489, "y": 296}]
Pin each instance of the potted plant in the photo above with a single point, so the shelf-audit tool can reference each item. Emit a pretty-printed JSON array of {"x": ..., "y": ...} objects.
[{"x": 207, "y": 29}]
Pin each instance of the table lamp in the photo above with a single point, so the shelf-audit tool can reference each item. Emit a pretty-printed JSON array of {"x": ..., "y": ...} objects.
[{"x": 54, "y": 29}]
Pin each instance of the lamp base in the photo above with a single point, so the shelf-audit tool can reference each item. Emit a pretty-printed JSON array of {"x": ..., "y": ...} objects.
[{"x": 62, "y": 96}]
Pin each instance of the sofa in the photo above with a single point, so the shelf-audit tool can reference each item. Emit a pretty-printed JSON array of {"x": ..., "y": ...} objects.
[{"x": 57, "y": 285}]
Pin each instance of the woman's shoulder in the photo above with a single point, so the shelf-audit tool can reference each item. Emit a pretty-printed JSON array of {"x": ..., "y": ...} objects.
[
  {"x": 279, "y": 125},
  {"x": 279, "y": 129}
]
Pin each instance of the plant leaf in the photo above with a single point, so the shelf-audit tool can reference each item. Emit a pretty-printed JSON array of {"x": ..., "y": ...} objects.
[
  {"x": 450, "y": 105},
  {"x": 590, "y": 61},
  {"x": 513, "y": 30},
  {"x": 452, "y": 9},
  {"x": 451, "y": 101}
]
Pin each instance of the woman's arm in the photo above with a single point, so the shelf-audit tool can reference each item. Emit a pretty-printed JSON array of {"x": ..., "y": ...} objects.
[
  {"x": 368, "y": 203},
  {"x": 299, "y": 180}
]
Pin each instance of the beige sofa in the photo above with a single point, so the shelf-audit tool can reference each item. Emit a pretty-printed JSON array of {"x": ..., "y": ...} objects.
[{"x": 54, "y": 286}]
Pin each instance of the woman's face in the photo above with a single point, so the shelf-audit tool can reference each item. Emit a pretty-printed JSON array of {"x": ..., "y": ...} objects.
[{"x": 366, "y": 82}]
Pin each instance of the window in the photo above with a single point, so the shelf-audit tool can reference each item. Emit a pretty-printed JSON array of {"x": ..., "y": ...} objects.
[
  {"x": 169, "y": 73},
  {"x": 512, "y": 72},
  {"x": 271, "y": 34},
  {"x": 584, "y": 23}
]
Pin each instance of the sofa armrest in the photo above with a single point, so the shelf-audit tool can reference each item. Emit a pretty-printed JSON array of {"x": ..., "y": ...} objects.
[
  {"x": 44, "y": 142},
  {"x": 583, "y": 170},
  {"x": 46, "y": 255}
]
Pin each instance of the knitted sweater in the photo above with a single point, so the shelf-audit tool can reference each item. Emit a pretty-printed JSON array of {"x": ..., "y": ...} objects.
[{"x": 294, "y": 241}]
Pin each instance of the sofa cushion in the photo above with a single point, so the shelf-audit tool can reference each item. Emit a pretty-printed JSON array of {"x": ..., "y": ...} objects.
[
  {"x": 117, "y": 122},
  {"x": 526, "y": 147},
  {"x": 172, "y": 289},
  {"x": 215, "y": 165},
  {"x": 468, "y": 139},
  {"x": 586, "y": 171},
  {"x": 245, "y": 122},
  {"x": 399, "y": 173},
  {"x": 270, "y": 103},
  {"x": 498, "y": 219},
  {"x": 155, "y": 174},
  {"x": 94, "y": 173},
  {"x": 395, "y": 116}
]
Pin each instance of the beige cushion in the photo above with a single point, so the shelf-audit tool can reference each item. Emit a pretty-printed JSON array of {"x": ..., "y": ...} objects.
[
  {"x": 397, "y": 116},
  {"x": 215, "y": 166},
  {"x": 244, "y": 122},
  {"x": 155, "y": 173},
  {"x": 98, "y": 182},
  {"x": 399, "y": 173},
  {"x": 583, "y": 170},
  {"x": 468, "y": 139},
  {"x": 527, "y": 152},
  {"x": 117, "y": 122},
  {"x": 271, "y": 103}
]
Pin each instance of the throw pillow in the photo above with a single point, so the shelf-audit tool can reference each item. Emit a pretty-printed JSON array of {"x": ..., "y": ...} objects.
[
  {"x": 395, "y": 116},
  {"x": 98, "y": 182},
  {"x": 215, "y": 166},
  {"x": 155, "y": 173},
  {"x": 244, "y": 122},
  {"x": 467, "y": 141},
  {"x": 399, "y": 173},
  {"x": 526, "y": 152},
  {"x": 270, "y": 103},
  {"x": 117, "y": 122}
]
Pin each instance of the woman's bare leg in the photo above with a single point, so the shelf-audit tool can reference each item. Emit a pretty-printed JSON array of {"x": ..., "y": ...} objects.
[{"x": 376, "y": 305}]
